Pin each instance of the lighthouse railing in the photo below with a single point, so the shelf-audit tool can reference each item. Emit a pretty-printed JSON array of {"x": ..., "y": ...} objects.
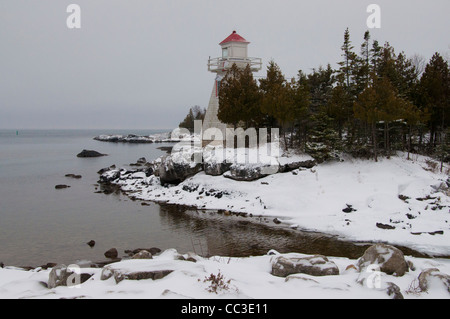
[{"x": 223, "y": 64}]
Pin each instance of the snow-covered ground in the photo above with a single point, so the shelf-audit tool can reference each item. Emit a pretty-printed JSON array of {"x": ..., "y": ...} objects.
[
  {"x": 398, "y": 201},
  {"x": 244, "y": 277}
]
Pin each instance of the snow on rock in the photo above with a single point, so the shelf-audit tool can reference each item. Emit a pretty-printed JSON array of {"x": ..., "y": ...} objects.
[
  {"x": 389, "y": 259},
  {"x": 315, "y": 266}
]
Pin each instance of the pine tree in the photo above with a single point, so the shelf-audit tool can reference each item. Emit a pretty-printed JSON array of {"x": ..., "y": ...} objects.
[
  {"x": 434, "y": 94},
  {"x": 349, "y": 64},
  {"x": 239, "y": 98},
  {"x": 324, "y": 142}
]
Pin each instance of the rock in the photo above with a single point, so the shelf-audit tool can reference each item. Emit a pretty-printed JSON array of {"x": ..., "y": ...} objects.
[
  {"x": 142, "y": 160},
  {"x": 143, "y": 254},
  {"x": 73, "y": 176},
  {"x": 296, "y": 165},
  {"x": 149, "y": 172},
  {"x": 119, "y": 275},
  {"x": 112, "y": 253},
  {"x": 349, "y": 209},
  {"x": 62, "y": 186},
  {"x": 250, "y": 172},
  {"x": 389, "y": 258},
  {"x": 63, "y": 276},
  {"x": 276, "y": 221},
  {"x": 190, "y": 256},
  {"x": 90, "y": 153},
  {"x": 173, "y": 170},
  {"x": 433, "y": 277},
  {"x": 91, "y": 243},
  {"x": 153, "y": 250},
  {"x": 315, "y": 266},
  {"x": 109, "y": 176},
  {"x": 104, "y": 170},
  {"x": 394, "y": 291},
  {"x": 384, "y": 226},
  {"x": 2, "y": 265},
  {"x": 215, "y": 168}
]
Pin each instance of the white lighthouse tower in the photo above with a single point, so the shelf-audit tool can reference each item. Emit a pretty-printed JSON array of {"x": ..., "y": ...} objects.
[{"x": 234, "y": 51}]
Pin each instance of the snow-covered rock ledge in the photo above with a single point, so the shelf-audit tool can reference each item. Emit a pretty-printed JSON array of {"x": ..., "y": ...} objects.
[
  {"x": 141, "y": 139},
  {"x": 382, "y": 272},
  {"x": 397, "y": 201}
]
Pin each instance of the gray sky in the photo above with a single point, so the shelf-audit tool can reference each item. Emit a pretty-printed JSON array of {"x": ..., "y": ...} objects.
[{"x": 142, "y": 64}]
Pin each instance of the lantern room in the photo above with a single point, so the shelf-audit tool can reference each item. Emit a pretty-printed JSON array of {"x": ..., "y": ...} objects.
[{"x": 234, "y": 51}]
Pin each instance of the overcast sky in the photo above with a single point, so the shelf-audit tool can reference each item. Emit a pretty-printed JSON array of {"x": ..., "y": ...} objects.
[{"x": 141, "y": 64}]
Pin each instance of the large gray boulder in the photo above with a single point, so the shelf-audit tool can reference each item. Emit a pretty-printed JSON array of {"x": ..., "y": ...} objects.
[
  {"x": 250, "y": 172},
  {"x": 174, "y": 170},
  {"x": 389, "y": 259},
  {"x": 314, "y": 265},
  {"x": 431, "y": 277},
  {"x": 90, "y": 153}
]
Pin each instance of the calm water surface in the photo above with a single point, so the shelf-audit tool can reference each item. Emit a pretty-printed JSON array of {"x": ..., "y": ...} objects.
[{"x": 39, "y": 224}]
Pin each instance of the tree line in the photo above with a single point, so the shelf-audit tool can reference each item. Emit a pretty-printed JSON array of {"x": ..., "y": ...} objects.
[{"x": 375, "y": 103}]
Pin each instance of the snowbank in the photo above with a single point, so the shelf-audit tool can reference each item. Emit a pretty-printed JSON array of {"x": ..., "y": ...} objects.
[{"x": 248, "y": 278}]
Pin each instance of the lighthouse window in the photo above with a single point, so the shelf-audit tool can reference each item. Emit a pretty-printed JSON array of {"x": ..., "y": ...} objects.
[{"x": 225, "y": 53}]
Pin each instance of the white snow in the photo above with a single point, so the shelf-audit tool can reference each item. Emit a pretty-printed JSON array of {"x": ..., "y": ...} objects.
[{"x": 249, "y": 278}]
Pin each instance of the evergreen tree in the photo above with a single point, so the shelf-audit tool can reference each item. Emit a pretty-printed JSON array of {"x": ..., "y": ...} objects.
[
  {"x": 195, "y": 113},
  {"x": 349, "y": 64},
  {"x": 434, "y": 95},
  {"x": 324, "y": 142},
  {"x": 239, "y": 98}
]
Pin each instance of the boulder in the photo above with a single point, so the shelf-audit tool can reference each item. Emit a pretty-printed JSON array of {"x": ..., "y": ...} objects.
[
  {"x": 109, "y": 176},
  {"x": 394, "y": 291},
  {"x": 314, "y": 265},
  {"x": 62, "y": 186},
  {"x": 112, "y": 253},
  {"x": 389, "y": 259},
  {"x": 73, "y": 176},
  {"x": 216, "y": 168},
  {"x": 120, "y": 275},
  {"x": 143, "y": 254},
  {"x": 250, "y": 172},
  {"x": 91, "y": 243},
  {"x": 90, "y": 153},
  {"x": 174, "y": 170},
  {"x": 296, "y": 165},
  {"x": 432, "y": 277},
  {"x": 64, "y": 276},
  {"x": 104, "y": 170}
]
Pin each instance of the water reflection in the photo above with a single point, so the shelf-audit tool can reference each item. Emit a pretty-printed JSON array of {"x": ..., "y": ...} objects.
[{"x": 211, "y": 233}]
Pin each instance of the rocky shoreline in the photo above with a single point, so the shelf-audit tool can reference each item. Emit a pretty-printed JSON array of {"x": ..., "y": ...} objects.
[
  {"x": 175, "y": 179},
  {"x": 138, "y": 139},
  {"x": 383, "y": 271}
]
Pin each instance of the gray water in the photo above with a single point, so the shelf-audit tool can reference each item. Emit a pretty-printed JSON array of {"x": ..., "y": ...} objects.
[{"x": 39, "y": 224}]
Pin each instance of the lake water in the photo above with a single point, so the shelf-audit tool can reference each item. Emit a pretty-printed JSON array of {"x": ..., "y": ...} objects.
[{"x": 39, "y": 224}]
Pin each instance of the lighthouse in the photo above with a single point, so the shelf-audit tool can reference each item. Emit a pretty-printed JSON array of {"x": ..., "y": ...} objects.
[{"x": 234, "y": 51}]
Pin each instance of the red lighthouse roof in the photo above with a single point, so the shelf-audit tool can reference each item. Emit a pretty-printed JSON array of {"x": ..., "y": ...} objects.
[{"x": 234, "y": 37}]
